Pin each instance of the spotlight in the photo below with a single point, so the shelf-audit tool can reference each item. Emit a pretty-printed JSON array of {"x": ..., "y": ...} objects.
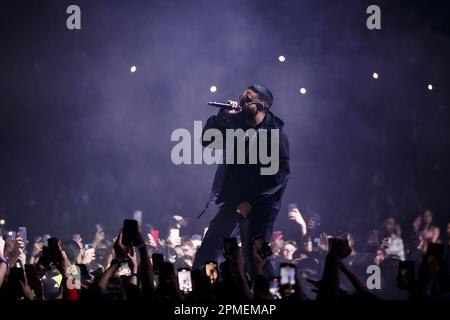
[
  {"x": 282, "y": 58},
  {"x": 375, "y": 75},
  {"x": 430, "y": 87},
  {"x": 133, "y": 69},
  {"x": 2, "y": 222},
  {"x": 213, "y": 89},
  {"x": 303, "y": 90}
]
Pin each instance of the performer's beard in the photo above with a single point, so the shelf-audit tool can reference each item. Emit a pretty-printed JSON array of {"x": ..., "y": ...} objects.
[{"x": 249, "y": 112}]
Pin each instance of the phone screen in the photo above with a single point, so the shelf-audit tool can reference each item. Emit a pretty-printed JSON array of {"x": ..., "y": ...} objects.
[
  {"x": 130, "y": 231},
  {"x": 124, "y": 269},
  {"x": 53, "y": 249},
  {"x": 287, "y": 274},
  {"x": 11, "y": 236},
  {"x": 22, "y": 232},
  {"x": 184, "y": 280},
  {"x": 292, "y": 206}
]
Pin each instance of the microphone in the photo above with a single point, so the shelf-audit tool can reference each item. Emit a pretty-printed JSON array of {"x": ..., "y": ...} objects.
[{"x": 221, "y": 105}]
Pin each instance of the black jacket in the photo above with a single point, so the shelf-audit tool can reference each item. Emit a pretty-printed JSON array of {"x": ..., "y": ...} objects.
[{"x": 236, "y": 183}]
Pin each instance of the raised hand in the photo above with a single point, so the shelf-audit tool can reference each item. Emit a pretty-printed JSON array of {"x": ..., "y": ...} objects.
[
  {"x": 119, "y": 249},
  {"x": 62, "y": 263},
  {"x": 132, "y": 260},
  {"x": 340, "y": 248},
  {"x": 88, "y": 256}
]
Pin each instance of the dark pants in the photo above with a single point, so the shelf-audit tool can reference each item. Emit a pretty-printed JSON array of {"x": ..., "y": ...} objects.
[{"x": 259, "y": 221}]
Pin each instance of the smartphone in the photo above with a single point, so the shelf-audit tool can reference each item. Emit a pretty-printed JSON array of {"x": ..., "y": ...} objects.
[
  {"x": 316, "y": 219},
  {"x": 45, "y": 257},
  {"x": 287, "y": 274},
  {"x": 53, "y": 249},
  {"x": 157, "y": 260},
  {"x": 45, "y": 238},
  {"x": 22, "y": 232},
  {"x": 124, "y": 270},
  {"x": 137, "y": 215},
  {"x": 292, "y": 206},
  {"x": 274, "y": 287},
  {"x": 11, "y": 236},
  {"x": 130, "y": 232},
  {"x": 211, "y": 269},
  {"x": 262, "y": 247},
  {"x": 230, "y": 245},
  {"x": 76, "y": 237},
  {"x": 155, "y": 235},
  {"x": 185, "y": 280}
]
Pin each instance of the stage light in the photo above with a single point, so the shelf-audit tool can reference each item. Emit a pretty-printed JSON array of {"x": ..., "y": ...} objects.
[
  {"x": 282, "y": 58},
  {"x": 2, "y": 222},
  {"x": 213, "y": 89},
  {"x": 303, "y": 90},
  {"x": 133, "y": 69},
  {"x": 375, "y": 75},
  {"x": 430, "y": 87}
]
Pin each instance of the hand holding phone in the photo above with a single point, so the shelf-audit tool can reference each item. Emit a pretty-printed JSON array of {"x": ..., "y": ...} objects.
[
  {"x": 339, "y": 247},
  {"x": 130, "y": 233},
  {"x": 22, "y": 233}
]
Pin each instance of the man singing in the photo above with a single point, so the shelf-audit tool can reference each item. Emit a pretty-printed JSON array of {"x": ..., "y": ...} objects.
[{"x": 244, "y": 194}]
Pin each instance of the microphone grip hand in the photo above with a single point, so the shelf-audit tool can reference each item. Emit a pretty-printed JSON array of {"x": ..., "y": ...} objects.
[{"x": 236, "y": 108}]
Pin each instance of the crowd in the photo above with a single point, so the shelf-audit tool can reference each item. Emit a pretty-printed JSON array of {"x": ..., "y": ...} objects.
[{"x": 144, "y": 265}]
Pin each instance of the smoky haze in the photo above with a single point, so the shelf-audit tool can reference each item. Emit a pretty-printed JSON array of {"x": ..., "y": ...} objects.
[{"x": 85, "y": 141}]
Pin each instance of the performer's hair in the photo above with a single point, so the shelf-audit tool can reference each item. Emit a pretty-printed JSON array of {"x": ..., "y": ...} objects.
[{"x": 264, "y": 94}]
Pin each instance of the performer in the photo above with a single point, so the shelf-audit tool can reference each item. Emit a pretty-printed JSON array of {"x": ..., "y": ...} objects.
[{"x": 245, "y": 197}]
